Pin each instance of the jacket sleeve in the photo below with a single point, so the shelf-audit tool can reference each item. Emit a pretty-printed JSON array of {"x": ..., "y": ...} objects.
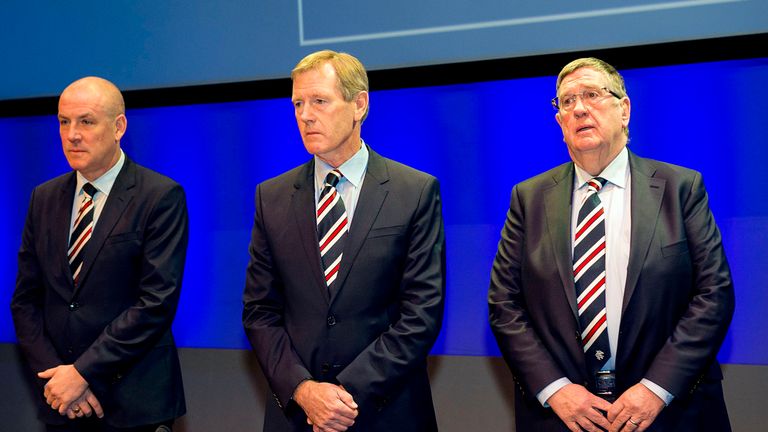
[
  {"x": 696, "y": 339},
  {"x": 263, "y": 316},
  {"x": 532, "y": 365},
  {"x": 28, "y": 300}
]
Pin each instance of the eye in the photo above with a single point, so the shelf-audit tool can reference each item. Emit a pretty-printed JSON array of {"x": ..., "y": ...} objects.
[
  {"x": 320, "y": 101},
  {"x": 591, "y": 94},
  {"x": 63, "y": 122},
  {"x": 568, "y": 100},
  {"x": 87, "y": 122},
  {"x": 297, "y": 104}
]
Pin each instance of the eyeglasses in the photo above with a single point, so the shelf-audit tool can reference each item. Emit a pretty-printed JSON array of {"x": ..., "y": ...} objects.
[{"x": 590, "y": 96}]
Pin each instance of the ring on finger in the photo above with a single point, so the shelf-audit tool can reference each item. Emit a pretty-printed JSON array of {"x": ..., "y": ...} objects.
[
  {"x": 634, "y": 422},
  {"x": 76, "y": 410}
]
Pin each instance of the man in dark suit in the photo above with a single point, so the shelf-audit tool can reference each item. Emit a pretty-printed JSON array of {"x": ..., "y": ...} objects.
[
  {"x": 345, "y": 285},
  {"x": 99, "y": 276},
  {"x": 610, "y": 293}
]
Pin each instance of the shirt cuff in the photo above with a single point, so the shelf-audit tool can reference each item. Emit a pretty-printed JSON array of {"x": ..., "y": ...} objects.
[
  {"x": 658, "y": 391},
  {"x": 551, "y": 389}
]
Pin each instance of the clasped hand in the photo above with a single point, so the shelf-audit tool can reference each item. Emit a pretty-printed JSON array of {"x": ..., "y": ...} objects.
[
  {"x": 580, "y": 410},
  {"x": 329, "y": 408},
  {"x": 67, "y": 392}
]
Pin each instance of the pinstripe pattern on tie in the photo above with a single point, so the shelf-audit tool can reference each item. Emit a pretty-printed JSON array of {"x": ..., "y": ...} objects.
[
  {"x": 589, "y": 276},
  {"x": 332, "y": 226},
  {"x": 82, "y": 232}
]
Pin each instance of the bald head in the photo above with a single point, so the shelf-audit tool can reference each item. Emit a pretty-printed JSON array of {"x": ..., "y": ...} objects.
[
  {"x": 101, "y": 91},
  {"x": 91, "y": 123}
]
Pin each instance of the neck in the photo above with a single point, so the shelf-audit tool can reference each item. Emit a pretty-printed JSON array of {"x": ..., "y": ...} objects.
[{"x": 595, "y": 162}]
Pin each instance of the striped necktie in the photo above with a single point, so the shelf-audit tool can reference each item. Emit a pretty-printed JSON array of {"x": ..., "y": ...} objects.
[
  {"x": 82, "y": 232},
  {"x": 332, "y": 226},
  {"x": 589, "y": 277}
]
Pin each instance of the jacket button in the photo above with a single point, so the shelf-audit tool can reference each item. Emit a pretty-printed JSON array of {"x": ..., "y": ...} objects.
[
  {"x": 74, "y": 306},
  {"x": 325, "y": 368},
  {"x": 331, "y": 321}
]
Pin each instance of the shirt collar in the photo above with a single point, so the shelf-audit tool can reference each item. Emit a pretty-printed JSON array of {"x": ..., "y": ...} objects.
[
  {"x": 615, "y": 172},
  {"x": 105, "y": 182},
  {"x": 353, "y": 169}
]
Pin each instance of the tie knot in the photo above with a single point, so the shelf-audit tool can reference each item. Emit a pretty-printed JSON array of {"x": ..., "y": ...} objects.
[
  {"x": 333, "y": 177},
  {"x": 597, "y": 183},
  {"x": 90, "y": 190}
]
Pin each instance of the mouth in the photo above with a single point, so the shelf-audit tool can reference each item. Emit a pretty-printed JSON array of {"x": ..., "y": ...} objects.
[{"x": 584, "y": 129}]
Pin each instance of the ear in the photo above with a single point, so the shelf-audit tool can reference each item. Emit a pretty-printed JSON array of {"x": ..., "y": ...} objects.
[
  {"x": 361, "y": 104},
  {"x": 626, "y": 108},
  {"x": 558, "y": 119},
  {"x": 121, "y": 125}
]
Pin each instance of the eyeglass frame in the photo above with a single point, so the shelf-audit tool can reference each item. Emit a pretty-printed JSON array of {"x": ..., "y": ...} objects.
[{"x": 556, "y": 99}]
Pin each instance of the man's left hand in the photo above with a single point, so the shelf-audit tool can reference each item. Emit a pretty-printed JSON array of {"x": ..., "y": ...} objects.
[
  {"x": 64, "y": 386},
  {"x": 635, "y": 410}
]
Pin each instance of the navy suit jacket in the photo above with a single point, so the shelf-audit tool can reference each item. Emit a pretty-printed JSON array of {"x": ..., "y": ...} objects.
[
  {"x": 678, "y": 299},
  {"x": 373, "y": 332},
  {"x": 115, "y": 325}
]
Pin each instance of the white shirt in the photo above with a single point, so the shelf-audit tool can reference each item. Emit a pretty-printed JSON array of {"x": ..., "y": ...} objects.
[
  {"x": 103, "y": 186},
  {"x": 617, "y": 202},
  {"x": 349, "y": 186}
]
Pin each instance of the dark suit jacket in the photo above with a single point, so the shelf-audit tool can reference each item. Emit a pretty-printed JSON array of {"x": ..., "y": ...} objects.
[
  {"x": 115, "y": 326},
  {"x": 678, "y": 299},
  {"x": 371, "y": 334}
]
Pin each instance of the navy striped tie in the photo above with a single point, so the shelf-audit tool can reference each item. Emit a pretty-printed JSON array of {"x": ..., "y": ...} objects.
[
  {"x": 82, "y": 232},
  {"x": 589, "y": 277},
  {"x": 332, "y": 226}
]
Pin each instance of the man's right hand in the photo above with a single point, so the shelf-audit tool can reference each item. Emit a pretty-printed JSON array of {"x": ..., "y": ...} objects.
[
  {"x": 578, "y": 408},
  {"x": 329, "y": 407}
]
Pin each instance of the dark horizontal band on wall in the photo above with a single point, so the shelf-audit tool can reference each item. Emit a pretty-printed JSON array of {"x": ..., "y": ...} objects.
[{"x": 671, "y": 53}]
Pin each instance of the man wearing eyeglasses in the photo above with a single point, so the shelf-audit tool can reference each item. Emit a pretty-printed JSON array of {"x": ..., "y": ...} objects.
[{"x": 610, "y": 293}]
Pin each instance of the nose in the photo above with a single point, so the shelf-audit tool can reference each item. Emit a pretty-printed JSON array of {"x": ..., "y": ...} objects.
[
  {"x": 304, "y": 113},
  {"x": 71, "y": 132},
  {"x": 580, "y": 108}
]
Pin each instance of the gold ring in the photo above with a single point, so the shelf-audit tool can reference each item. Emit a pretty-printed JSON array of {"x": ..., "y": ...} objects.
[
  {"x": 76, "y": 410},
  {"x": 633, "y": 422}
]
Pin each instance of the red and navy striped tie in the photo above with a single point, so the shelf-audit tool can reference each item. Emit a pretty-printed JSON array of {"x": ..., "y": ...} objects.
[
  {"x": 332, "y": 226},
  {"x": 82, "y": 232},
  {"x": 589, "y": 276}
]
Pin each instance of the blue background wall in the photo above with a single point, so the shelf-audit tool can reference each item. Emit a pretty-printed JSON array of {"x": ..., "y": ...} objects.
[{"x": 478, "y": 139}]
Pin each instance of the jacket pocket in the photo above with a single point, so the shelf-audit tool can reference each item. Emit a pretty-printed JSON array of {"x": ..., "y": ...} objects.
[{"x": 674, "y": 249}]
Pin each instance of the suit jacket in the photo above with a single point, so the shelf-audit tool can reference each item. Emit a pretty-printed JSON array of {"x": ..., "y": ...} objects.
[
  {"x": 678, "y": 299},
  {"x": 115, "y": 325},
  {"x": 373, "y": 332}
]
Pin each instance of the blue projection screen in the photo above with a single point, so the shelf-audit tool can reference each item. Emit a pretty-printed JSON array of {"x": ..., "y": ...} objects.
[
  {"x": 479, "y": 139},
  {"x": 140, "y": 44}
]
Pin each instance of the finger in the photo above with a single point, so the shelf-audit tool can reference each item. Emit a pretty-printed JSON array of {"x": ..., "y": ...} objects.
[
  {"x": 597, "y": 418},
  {"x": 94, "y": 402},
  {"x": 63, "y": 408},
  {"x": 615, "y": 410},
  {"x": 71, "y": 415},
  {"x": 85, "y": 409},
  {"x": 587, "y": 425},
  {"x": 48, "y": 373},
  {"x": 347, "y": 398},
  {"x": 573, "y": 427}
]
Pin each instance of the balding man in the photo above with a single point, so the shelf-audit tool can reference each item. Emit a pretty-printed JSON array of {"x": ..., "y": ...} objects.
[
  {"x": 610, "y": 293},
  {"x": 100, "y": 267}
]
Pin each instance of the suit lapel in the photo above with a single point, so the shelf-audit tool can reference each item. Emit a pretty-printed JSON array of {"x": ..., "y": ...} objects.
[
  {"x": 647, "y": 193},
  {"x": 117, "y": 201},
  {"x": 303, "y": 207},
  {"x": 369, "y": 204},
  {"x": 59, "y": 234},
  {"x": 557, "y": 204}
]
